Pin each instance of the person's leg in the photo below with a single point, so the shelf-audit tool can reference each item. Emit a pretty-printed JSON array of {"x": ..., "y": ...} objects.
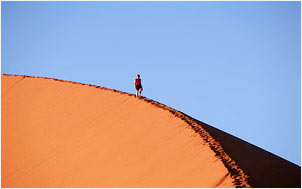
[
  {"x": 136, "y": 92},
  {"x": 140, "y": 92}
]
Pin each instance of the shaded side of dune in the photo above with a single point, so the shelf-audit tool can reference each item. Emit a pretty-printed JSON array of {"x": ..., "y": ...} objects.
[{"x": 265, "y": 169}]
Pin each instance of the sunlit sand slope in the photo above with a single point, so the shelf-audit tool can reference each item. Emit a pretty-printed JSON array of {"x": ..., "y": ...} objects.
[{"x": 63, "y": 134}]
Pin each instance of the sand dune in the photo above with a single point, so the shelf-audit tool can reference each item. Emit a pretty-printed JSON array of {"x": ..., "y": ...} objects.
[{"x": 64, "y": 134}]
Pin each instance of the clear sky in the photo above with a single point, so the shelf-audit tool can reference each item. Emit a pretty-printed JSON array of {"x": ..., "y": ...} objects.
[{"x": 233, "y": 65}]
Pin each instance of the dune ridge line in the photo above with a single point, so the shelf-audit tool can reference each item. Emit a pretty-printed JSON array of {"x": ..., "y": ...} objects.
[{"x": 240, "y": 179}]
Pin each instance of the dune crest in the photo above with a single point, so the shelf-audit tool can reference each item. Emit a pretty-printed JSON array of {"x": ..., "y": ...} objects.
[{"x": 58, "y": 133}]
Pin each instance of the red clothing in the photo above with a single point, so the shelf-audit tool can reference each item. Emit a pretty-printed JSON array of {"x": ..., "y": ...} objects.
[{"x": 138, "y": 82}]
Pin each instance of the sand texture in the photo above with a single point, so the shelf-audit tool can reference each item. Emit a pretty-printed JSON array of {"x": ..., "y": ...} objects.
[{"x": 57, "y": 133}]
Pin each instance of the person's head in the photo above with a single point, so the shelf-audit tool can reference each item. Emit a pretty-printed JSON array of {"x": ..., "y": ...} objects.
[{"x": 138, "y": 76}]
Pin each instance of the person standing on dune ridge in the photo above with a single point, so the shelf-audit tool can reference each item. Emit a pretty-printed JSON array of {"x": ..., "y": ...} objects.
[{"x": 138, "y": 86}]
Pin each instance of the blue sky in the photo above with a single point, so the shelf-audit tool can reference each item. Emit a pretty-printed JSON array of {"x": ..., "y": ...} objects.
[{"x": 233, "y": 65}]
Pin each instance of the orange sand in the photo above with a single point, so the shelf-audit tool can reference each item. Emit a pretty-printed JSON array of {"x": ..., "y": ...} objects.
[{"x": 64, "y": 134}]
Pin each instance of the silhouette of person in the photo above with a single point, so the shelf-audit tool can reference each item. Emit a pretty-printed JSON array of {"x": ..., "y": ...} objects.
[{"x": 138, "y": 86}]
